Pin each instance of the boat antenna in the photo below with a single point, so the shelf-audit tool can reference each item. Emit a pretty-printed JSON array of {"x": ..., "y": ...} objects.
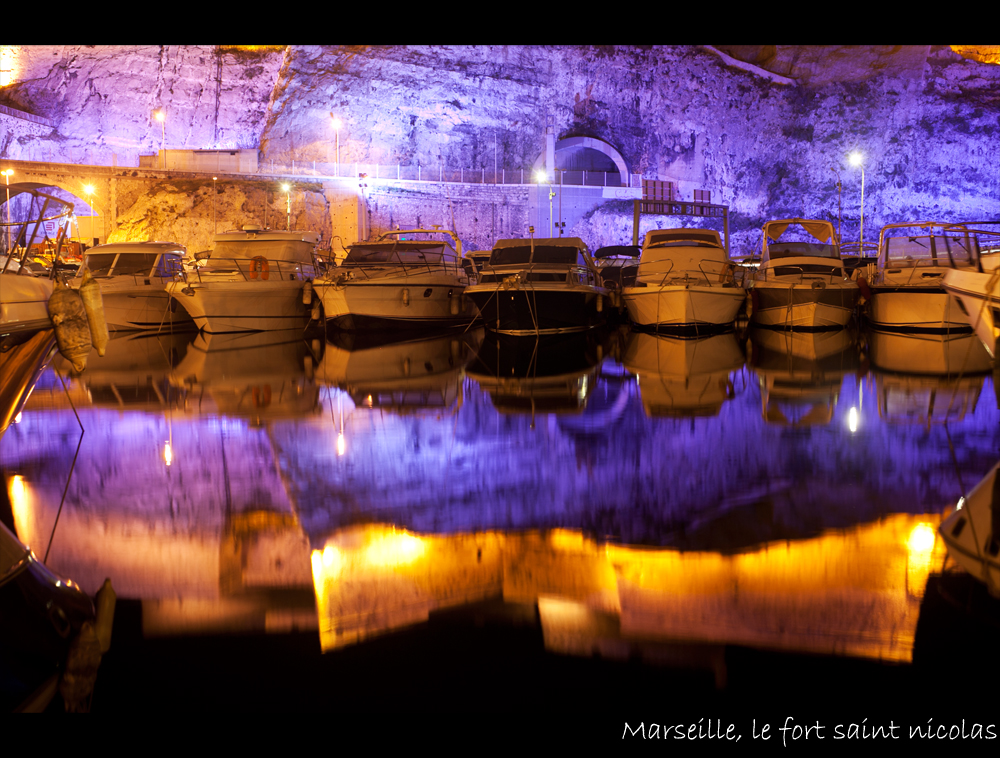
[{"x": 531, "y": 231}]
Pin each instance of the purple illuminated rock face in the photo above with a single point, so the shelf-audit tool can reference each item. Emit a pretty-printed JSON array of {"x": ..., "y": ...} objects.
[{"x": 767, "y": 134}]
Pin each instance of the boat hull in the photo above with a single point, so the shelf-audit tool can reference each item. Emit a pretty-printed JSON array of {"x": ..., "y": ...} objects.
[
  {"x": 803, "y": 306},
  {"x": 916, "y": 309},
  {"x": 979, "y": 295},
  {"x": 424, "y": 303},
  {"x": 24, "y": 303},
  {"x": 241, "y": 306},
  {"x": 683, "y": 306},
  {"x": 540, "y": 310},
  {"x": 143, "y": 310},
  {"x": 970, "y": 536}
]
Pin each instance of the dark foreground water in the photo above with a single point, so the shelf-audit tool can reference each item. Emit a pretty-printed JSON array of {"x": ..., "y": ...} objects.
[{"x": 681, "y": 515}]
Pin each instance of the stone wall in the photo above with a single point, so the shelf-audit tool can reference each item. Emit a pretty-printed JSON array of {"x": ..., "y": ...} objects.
[{"x": 766, "y": 128}]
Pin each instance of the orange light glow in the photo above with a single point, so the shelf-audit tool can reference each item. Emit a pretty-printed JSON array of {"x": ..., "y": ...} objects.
[
  {"x": 8, "y": 66},
  {"x": 341, "y": 444}
]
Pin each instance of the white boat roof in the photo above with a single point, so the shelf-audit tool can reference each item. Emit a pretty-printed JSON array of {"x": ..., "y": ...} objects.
[
  {"x": 661, "y": 236},
  {"x": 542, "y": 241},
  {"x": 253, "y": 242},
  {"x": 138, "y": 247}
]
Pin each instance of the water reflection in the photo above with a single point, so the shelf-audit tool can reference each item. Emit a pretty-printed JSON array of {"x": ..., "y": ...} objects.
[{"x": 354, "y": 488}]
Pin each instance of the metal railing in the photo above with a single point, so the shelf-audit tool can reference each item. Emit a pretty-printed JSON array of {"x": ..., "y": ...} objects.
[
  {"x": 394, "y": 268},
  {"x": 250, "y": 269}
]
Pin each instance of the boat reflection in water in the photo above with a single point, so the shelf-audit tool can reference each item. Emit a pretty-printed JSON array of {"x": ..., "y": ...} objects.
[
  {"x": 861, "y": 596},
  {"x": 260, "y": 376},
  {"x": 800, "y": 373},
  {"x": 928, "y": 378},
  {"x": 546, "y": 374},
  {"x": 419, "y": 374},
  {"x": 683, "y": 377}
]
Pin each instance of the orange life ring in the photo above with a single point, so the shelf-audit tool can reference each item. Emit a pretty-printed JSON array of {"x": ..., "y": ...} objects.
[{"x": 259, "y": 263}]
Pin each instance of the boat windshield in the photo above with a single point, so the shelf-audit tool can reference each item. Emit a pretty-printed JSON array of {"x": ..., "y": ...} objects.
[
  {"x": 683, "y": 238},
  {"x": 802, "y": 250},
  {"x": 361, "y": 255},
  {"x": 131, "y": 264},
  {"x": 558, "y": 254},
  {"x": 931, "y": 250},
  {"x": 276, "y": 250}
]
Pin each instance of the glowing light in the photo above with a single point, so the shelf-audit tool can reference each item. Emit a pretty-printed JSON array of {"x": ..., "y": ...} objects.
[
  {"x": 368, "y": 401},
  {"x": 852, "y": 420},
  {"x": 341, "y": 444},
  {"x": 961, "y": 502},
  {"x": 88, "y": 189},
  {"x": 393, "y": 549},
  {"x": 921, "y": 539},
  {"x": 7, "y": 72},
  {"x": 855, "y": 158},
  {"x": 284, "y": 188},
  {"x": 17, "y": 418},
  {"x": 337, "y": 123},
  {"x": 168, "y": 453},
  {"x": 17, "y": 492},
  {"x": 160, "y": 115},
  {"x": 540, "y": 176}
]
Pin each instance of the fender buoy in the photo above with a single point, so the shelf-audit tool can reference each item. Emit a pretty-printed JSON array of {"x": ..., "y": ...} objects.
[
  {"x": 259, "y": 263},
  {"x": 69, "y": 317},
  {"x": 93, "y": 303},
  {"x": 866, "y": 291},
  {"x": 262, "y": 399}
]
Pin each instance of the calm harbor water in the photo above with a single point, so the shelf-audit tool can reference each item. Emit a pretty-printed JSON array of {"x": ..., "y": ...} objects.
[{"x": 655, "y": 499}]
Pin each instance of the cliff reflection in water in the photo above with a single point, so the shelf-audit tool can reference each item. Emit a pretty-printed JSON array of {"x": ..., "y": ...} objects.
[{"x": 676, "y": 492}]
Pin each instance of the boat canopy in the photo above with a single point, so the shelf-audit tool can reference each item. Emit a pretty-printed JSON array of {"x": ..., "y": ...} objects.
[
  {"x": 418, "y": 252},
  {"x": 568, "y": 251},
  {"x": 295, "y": 247},
  {"x": 617, "y": 251},
  {"x": 806, "y": 230}
]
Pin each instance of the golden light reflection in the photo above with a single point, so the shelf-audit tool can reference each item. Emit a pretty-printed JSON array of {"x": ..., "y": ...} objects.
[
  {"x": 17, "y": 418},
  {"x": 22, "y": 511},
  {"x": 849, "y": 592},
  {"x": 168, "y": 453},
  {"x": 852, "y": 420},
  {"x": 341, "y": 444}
]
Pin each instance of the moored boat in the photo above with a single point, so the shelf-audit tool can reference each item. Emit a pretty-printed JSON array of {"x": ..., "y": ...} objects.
[
  {"x": 801, "y": 282},
  {"x": 972, "y": 532},
  {"x": 684, "y": 282},
  {"x": 540, "y": 286},
  {"x": 906, "y": 289},
  {"x": 134, "y": 277},
  {"x": 253, "y": 280},
  {"x": 398, "y": 283}
]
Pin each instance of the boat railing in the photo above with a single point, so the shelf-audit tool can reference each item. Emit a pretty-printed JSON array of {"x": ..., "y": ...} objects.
[
  {"x": 451, "y": 264},
  {"x": 788, "y": 272},
  {"x": 709, "y": 270},
  {"x": 249, "y": 269},
  {"x": 516, "y": 274}
]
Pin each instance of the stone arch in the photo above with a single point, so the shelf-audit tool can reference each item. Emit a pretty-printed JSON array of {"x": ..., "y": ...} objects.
[{"x": 581, "y": 144}]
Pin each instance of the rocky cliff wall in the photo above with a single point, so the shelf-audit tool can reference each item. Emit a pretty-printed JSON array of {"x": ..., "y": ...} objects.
[{"x": 766, "y": 128}]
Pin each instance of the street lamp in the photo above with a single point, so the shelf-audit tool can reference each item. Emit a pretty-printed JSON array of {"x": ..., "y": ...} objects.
[
  {"x": 215, "y": 189},
  {"x": 162, "y": 118},
  {"x": 336, "y": 127},
  {"x": 857, "y": 160},
  {"x": 840, "y": 211},
  {"x": 288, "y": 206},
  {"x": 6, "y": 175}
]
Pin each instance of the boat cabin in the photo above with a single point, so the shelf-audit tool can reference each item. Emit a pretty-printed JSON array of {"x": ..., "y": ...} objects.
[
  {"x": 558, "y": 259},
  {"x": 681, "y": 254},
  {"x": 253, "y": 242},
  {"x": 926, "y": 244},
  {"x": 145, "y": 260},
  {"x": 400, "y": 253},
  {"x": 801, "y": 246}
]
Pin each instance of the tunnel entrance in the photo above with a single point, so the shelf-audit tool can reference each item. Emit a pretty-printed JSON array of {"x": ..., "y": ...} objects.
[{"x": 587, "y": 161}]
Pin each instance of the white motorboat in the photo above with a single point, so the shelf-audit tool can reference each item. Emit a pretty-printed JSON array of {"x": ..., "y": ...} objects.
[
  {"x": 978, "y": 291},
  {"x": 906, "y": 289},
  {"x": 253, "y": 280},
  {"x": 684, "y": 281},
  {"x": 398, "y": 283},
  {"x": 134, "y": 277},
  {"x": 801, "y": 282},
  {"x": 24, "y": 303},
  {"x": 972, "y": 532},
  {"x": 540, "y": 286}
]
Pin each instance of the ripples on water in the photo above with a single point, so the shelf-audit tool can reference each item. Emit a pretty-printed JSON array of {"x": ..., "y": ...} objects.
[{"x": 772, "y": 489}]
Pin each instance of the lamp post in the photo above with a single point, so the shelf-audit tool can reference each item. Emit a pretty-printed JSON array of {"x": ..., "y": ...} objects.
[
  {"x": 162, "y": 118},
  {"x": 288, "y": 206},
  {"x": 6, "y": 175},
  {"x": 336, "y": 127},
  {"x": 215, "y": 189},
  {"x": 857, "y": 160},
  {"x": 840, "y": 211}
]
